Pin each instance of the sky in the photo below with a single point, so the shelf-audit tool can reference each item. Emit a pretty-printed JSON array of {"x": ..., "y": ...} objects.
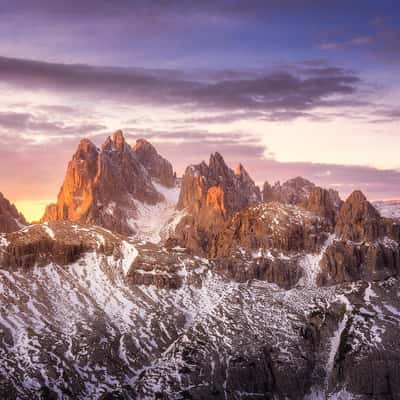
[{"x": 287, "y": 88}]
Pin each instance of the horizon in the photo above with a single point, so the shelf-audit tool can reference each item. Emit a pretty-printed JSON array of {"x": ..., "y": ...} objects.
[
  {"x": 276, "y": 86},
  {"x": 34, "y": 210}
]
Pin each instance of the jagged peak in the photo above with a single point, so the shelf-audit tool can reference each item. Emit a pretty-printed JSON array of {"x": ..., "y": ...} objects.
[
  {"x": 240, "y": 170},
  {"x": 114, "y": 142},
  {"x": 118, "y": 139},
  {"x": 360, "y": 207},
  {"x": 142, "y": 143},
  {"x": 216, "y": 158},
  {"x": 242, "y": 173},
  {"x": 86, "y": 145},
  {"x": 356, "y": 196}
]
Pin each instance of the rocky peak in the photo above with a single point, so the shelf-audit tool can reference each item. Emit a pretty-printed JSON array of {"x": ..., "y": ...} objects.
[
  {"x": 85, "y": 146},
  {"x": 301, "y": 192},
  {"x": 102, "y": 186},
  {"x": 210, "y": 194},
  {"x": 10, "y": 219},
  {"x": 242, "y": 174},
  {"x": 118, "y": 140},
  {"x": 358, "y": 220},
  {"x": 157, "y": 166},
  {"x": 239, "y": 190},
  {"x": 322, "y": 202},
  {"x": 367, "y": 246},
  {"x": 218, "y": 170}
]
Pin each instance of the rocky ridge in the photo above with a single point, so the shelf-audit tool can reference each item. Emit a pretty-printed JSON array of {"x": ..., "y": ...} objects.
[
  {"x": 10, "y": 219},
  {"x": 367, "y": 246},
  {"x": 295, "y": 298},
  {"x": 209, "y": 196},
  {"x": 104, "y": 186}
]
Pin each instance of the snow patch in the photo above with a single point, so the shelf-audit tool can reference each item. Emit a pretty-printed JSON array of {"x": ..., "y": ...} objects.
[
  {"x": 49, "y": 231},
  {"x": 310, "y": 263},
  {"x": 129, "y": 254},
  {"x": 155, "y": 222}
]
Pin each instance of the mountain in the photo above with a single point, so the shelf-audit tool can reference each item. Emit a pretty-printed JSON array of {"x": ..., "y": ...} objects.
[
  {"x": 213, "y": 294},
  {"x": 110, "y": 186},
  {"x": 367, "y": 245},
  {"x": 301, "y": 192},
  {"x": 157, "y": 166},
  {"x": 89, "y": 314},
  {"x": 209, "y": 195},
  {"x": 10, "y": 219}
]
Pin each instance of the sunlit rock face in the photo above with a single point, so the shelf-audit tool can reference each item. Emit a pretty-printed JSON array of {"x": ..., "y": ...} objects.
[
  {"x": 157, "y": 166},
  {"x": 10, "y": 219},
  {"x": 209, "y": 195},
  {"x": 102, "y": 186}
]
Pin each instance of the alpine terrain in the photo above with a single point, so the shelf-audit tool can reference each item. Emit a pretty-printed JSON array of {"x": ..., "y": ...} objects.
[{"x": 138, "y": 284}]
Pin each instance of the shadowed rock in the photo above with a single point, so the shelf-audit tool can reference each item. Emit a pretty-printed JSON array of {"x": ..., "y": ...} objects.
[
  {"x": 157, "y": 166},
  {"x": 10, "y": 219}
]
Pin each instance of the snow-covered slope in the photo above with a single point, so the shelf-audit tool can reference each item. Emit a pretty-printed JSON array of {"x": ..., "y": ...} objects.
[
  {"x": 154, "y": 223},
  {"x": 388, "y": 209},
  {"x": 82, "y": 330}
]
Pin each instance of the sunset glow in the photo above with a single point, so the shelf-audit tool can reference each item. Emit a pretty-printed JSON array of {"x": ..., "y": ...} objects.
[{"x": 327, "y": 110}]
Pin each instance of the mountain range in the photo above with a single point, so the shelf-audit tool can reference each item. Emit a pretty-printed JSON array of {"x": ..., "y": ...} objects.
[{"x": 138, "y": 284}]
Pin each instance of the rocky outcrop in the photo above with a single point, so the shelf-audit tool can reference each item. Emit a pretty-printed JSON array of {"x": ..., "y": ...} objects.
[
  {"x": 358, "y": 220},
  {"x": 170, "y": 269},
  {"x": 272, "y": 228},
  {"x": 267, "y": 242},
  {"x": 243, "y": 266},
  {"x": 210, "y": 194},
  {"x": 10, "y": 219},
  {"x": 294, "y": 191},
  {"x": 102, "y": 186},
  {"x": 157, "y": 166},
  {"x": 301, "y": 192},
  {"x": 367, "y": 246},
  {"x": 322, "y": 202},
  {"x": 346, "y": 261},
  {"x": 58, "y": 242}
]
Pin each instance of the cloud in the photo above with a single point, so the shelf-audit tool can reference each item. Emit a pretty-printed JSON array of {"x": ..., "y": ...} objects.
[
  {"x": 25, "y": 129},
  {"x": 329, "y": 46},
  {"x": 285, "y": 91}
]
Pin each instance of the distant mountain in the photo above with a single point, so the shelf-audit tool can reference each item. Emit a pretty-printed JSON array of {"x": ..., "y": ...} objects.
[
  {"x": 111, "y": 186},
  {"x": 388, "y": 208},
  {"x": 10, "y": 219}
]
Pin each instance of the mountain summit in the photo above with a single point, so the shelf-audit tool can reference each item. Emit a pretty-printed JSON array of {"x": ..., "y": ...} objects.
[{"x": 104, "y": 186}]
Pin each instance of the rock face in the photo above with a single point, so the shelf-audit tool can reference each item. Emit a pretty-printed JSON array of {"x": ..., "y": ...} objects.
[
  {"x": 323, "y": 202},
  {"x": 102, "y": 186},
  {"x": 359, "y": 220},
  {"x": 158, "y": 167},
  {"x": 10, "y": 219},
  {"x": 210, "y": 194},
  {"x": 301, "y": 192},
  {"x": 57, "y": 242},
  {"x": 268, "y": 242},
  {"x": 272, "y": 227},
  {"x": 367, "y": 246},
  {"x": 294, "y": 191}
]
